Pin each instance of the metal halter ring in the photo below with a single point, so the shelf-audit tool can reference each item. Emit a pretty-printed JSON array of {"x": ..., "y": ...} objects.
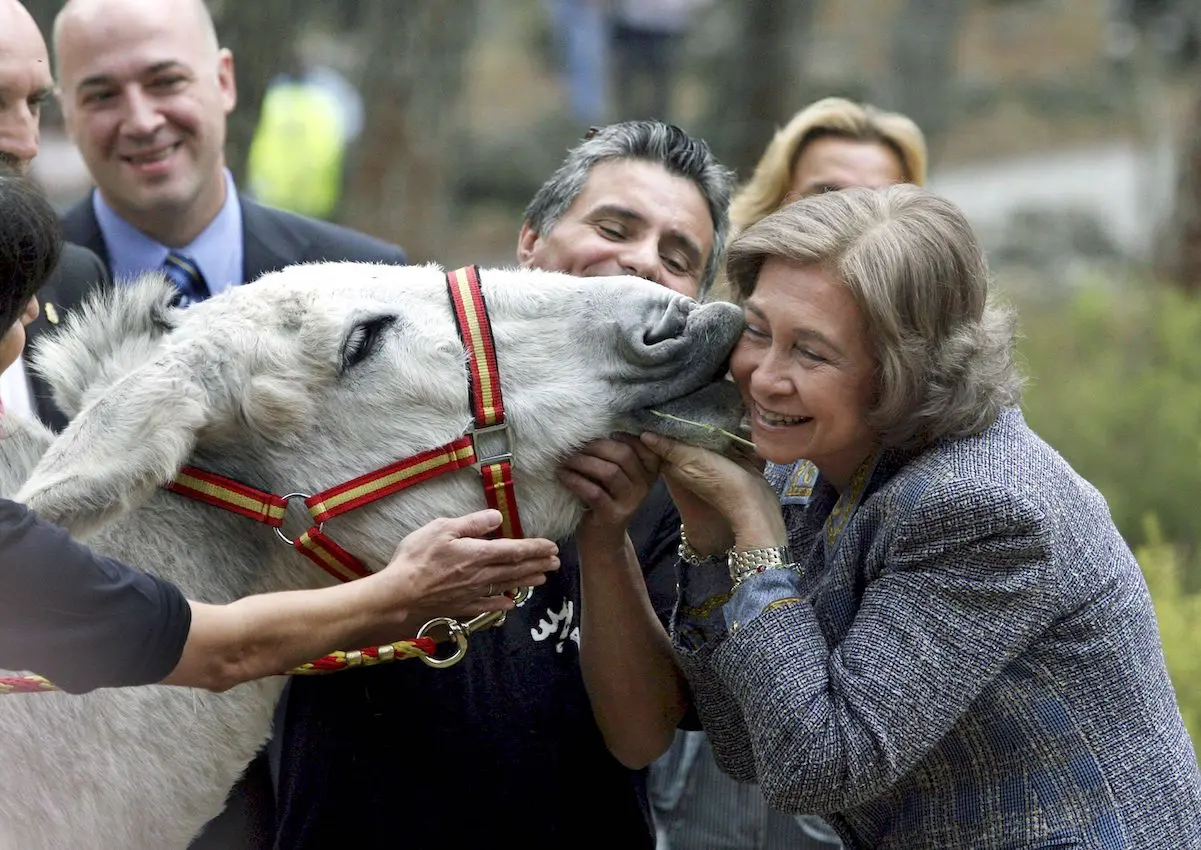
[
  {"x": 458, "y": 633},
  {"x": 279, "y": 532}
]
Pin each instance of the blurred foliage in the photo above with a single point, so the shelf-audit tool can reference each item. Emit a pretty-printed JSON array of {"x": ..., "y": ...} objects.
[
  {"x": 1179, "y": 615},
  {"x": 1115, "y": 387}
]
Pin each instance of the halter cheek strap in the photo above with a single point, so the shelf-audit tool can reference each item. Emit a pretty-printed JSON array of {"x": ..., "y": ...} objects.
[{"x": 487, "y": 405}]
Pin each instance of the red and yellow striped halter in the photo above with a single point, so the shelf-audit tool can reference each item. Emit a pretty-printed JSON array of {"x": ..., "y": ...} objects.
[
  {"x": 495, "y": 462},
  {"x": 486, "y": 445}
]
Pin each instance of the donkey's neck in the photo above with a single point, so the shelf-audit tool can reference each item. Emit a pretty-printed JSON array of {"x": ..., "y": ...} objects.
[
  {"x": 22, "y": 443},
  {"x": 212, "y": 554},
  {"x": 138, "y": 768},
  {"x": 180, "y": 751}
]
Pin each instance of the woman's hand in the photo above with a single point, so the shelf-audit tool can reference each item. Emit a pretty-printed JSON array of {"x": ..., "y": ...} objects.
[
  {"x": 447, "y": 568},
  {"x": 723, "y": 501},
  {"x": 612, "y": 477}
]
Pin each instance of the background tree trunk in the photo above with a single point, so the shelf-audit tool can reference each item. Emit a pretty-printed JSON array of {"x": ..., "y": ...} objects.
[
  {"x": 1179, "y": 254},
  {"x": 768, "y": 87},
  {"x": 262, "y": 35},
  {"x": 921, "y": 74},
  {"x": 398, "y": 186}
]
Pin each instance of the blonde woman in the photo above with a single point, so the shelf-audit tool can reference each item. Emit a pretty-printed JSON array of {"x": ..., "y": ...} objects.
[{"x": 831, "y": 144}]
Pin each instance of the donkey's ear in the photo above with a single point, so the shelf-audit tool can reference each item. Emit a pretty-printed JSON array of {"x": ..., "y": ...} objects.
[
  {"x": 128, "y": 441},
  {"x": 115, "y": 331}
]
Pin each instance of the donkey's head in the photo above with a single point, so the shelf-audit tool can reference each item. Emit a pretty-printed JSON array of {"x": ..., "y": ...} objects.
[{"x": 318, "y": 373}]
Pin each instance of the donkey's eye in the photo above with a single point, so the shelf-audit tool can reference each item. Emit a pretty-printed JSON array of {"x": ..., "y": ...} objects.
[{"x": 363, "y": 340}]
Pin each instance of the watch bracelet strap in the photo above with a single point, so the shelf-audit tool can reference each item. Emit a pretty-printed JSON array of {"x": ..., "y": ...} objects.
[{"x": 749, "y": 562}]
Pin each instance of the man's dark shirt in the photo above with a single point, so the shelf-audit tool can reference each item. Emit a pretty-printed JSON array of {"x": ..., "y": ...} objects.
[{"x": 502, "y": 744}]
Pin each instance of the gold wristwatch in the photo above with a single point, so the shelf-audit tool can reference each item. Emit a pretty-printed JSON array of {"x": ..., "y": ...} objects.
[{"x": 749, "y": 562}]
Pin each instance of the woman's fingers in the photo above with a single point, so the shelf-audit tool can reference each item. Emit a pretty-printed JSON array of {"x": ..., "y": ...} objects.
[
  {"x": 686, "y": 462},
  {"x": 713, "y": 477}
]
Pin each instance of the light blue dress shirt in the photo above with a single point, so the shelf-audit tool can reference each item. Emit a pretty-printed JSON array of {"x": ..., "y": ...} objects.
[{"x": 217, "y": 251}]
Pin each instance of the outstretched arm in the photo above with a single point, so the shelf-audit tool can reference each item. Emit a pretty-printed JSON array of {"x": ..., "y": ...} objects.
[
  {"x": 86, "y": 621},
  {"x": 442, "y": 568}
]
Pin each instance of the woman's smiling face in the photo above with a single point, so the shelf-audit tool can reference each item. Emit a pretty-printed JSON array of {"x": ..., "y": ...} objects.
[{"x": 806, "y": 370}]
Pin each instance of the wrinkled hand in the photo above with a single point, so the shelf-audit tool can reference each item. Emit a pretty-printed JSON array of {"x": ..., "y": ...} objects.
[
  {"x": 722, "y": 500},
  {"x": 446, "y": 568},
  {"x": 612, "y": 477}
]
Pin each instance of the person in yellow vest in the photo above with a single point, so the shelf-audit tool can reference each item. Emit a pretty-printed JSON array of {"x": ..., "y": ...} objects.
[{"x": 297, "y": 157}]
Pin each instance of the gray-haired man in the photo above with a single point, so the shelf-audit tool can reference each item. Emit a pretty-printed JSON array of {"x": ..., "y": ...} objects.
[{"x": 543, "y": 731}]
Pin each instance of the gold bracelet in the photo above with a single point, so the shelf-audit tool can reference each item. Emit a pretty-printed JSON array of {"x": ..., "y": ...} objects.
[{"x": 689, "y": 555}]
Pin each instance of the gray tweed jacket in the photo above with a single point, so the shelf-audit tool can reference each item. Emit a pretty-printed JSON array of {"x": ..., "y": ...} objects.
[{"x": 975, "y": 662}]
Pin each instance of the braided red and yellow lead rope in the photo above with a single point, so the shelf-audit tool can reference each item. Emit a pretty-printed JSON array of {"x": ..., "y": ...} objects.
[
  {"x": 332, "y": 663},
  {"x": 26, "y": 685}
]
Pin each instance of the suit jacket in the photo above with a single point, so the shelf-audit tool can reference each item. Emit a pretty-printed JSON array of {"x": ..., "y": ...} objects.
[
  {"x": 969, "y": 657},
  {"x": 272, "y": 239},
  {"x": 79, "y": 271}
]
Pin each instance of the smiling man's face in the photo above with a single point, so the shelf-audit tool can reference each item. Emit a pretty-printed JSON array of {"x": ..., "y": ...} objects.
[
  {"x": 145, "y": 99},
  {"x": 632, "y": 217}
]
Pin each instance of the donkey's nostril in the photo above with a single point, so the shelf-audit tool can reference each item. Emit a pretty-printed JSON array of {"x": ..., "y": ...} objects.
[{"x": 670, "y": 325}]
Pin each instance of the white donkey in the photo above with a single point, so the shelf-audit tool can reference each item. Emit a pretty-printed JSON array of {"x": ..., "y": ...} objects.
[{"x": 308, "y": 378}]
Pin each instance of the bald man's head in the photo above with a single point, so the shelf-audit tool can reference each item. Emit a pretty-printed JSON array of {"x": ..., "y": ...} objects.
[
  {"x": 13, "y": 16},
  {"x": 190, "y": 14},
  {"x": 145, "y": 91},
  {"x": 25, "y": 83}
]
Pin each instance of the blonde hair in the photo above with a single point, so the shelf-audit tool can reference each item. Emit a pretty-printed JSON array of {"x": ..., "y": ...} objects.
[
  {"x": 944, "y": 351},
  {"x": 831, "y": 116}
]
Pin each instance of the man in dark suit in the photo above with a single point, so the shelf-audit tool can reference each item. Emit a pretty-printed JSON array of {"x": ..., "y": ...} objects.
[
  {"x": 79, "y": 271},
  {"x": 145, "y": 89},
  {"x": 26, "y": 83}
]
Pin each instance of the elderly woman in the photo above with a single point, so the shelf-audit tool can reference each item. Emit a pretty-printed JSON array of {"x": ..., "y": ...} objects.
[
  {"x": 831, "y": 144},
  {"x": 923, "y": 624}
]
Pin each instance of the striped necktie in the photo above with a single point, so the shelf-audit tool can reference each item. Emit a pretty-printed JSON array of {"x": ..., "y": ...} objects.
[{"x": 182, "y": 271}]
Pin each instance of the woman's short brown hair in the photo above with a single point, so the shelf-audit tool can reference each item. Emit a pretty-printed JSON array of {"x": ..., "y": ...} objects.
[{"x": 944, "y": 351}]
